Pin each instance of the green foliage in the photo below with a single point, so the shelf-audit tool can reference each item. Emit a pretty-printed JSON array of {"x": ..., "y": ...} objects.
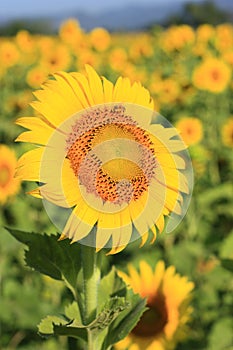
[
  {"x": 59, "y": 260},
  {"x": 119, "y": 309},
  {"x": 37, "y": 26},
  {"x": 196, "y": 14}
]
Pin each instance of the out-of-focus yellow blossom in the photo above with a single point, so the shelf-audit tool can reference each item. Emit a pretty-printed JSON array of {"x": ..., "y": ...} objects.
[
  {"x": 9, "y": 54},
  {"x": 70, "y": 32},
  {"x": 205, "y": 32},
  {"x": 212, "y": 74},
  {"x": 117, "y": 59},
  {"x": 56, "y": 59},
  {"x": 177, "y": 37},
  {"x": 25, "y": 41},
  {"x": 224, "y": 37},
  {"x": 141, "y": 47},
  {"x": 166, "y": 90},
  {"x": 100, "y": 39},
  {"x": 227, "y": 133},
  {"x": 191, "y": 130},
  {"x": 36, "y": 76},
  {"x": 9, "y": 186}
]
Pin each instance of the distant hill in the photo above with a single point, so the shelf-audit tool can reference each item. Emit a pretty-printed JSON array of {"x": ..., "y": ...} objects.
[{"x": 128, "y": 17}]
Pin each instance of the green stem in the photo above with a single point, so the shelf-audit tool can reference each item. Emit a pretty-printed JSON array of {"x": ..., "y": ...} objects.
[{"x": 91, "y": 278}]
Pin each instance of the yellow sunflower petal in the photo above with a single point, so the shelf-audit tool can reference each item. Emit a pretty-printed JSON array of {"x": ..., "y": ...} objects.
[
  {"x": 95, "y": 83},
  {"x": 40, "y": 131},
  {"x": 29, "y": 164}
]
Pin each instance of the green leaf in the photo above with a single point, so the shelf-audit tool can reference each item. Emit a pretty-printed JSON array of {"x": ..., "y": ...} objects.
[
  {"x": 216, "y": 194},
  {"x": 128, "y": 308},
  {"x": 127, "y": 319},
  {"x": 110, "y": 285},
  {"x": 72, "y": 312},
  {"x": 221, "y": 336},
  {"x": 227, "y": 264},
  {"x": 53, "y": 325},
  {"x": 57, "y": 259},
  {"x": 226, "y": 251},
  {"x": 46, "y": 325}
]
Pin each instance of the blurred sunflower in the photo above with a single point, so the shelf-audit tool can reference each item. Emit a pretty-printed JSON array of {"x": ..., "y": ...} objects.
[
  {"x": 36, "y": 76},
  {"x": 104, "y": 157},
  {"x": 164, "y": 324},
  {"x": 100, "y": 39},
  {"x": 70, "y": 32},
  {"x": 191, "y": 130},
  {"x": 58, "y": 58},
  {"x": 213, "y": 75},
  {"x": 9, "y": 186},
  {"x": 9, "y": 54},
  {"x": 227, "y": 133}
]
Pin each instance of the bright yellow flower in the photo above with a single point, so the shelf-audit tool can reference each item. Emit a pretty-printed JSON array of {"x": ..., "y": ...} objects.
[
  {"x": 36, "y": 76},
  {"x": 70, "y": 32},
  {"x": 228, "y": 57},
  {"x": 25, "y": 41},
  {"x": 190, "y": 129},
  {"x": 177, "y": 37},
  {"x": 9, "y": 186},
  {"x": 166, "y": 90},
  {"x": 227, "y": 133},
  {"x": 205, "y": 32},
  {"x": 100, "y": 39},
  {"x": 141, "y": 47},
  {"x": 87, "y": 56},
  {"x": 118, "y": 58},
  {"x": 163, "y": 325},
  {"x": 9, "y": 54},
  {"x": 58, "y": 58},
  {"x": 224, "y": 37},
  {"x": 213, "y": 75},
  {"x": 103, "y": 156}
]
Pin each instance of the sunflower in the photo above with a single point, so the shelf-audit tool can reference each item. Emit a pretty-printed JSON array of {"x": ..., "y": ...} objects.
[
  {"x": 227, "y": 133},
  {"x": 213, "y": 75},
  {"x": 9, "y": 186},
  {"x": 36, "y": 76},
  {"x": 100, "y": 39},
  {"x": 190, "y": 129},
  {"x": 102, "y": 155},
  {"x": 9, "y": 54},
  {"x": 164, "y": 324}
]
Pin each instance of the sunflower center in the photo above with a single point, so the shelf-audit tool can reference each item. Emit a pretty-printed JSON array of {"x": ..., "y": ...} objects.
[
  {"x": 4, "y": 175},
  {"x": 215, "y": 74},
  {"x": 153, "y": 321},
  {"x": 111, "y": 155}
]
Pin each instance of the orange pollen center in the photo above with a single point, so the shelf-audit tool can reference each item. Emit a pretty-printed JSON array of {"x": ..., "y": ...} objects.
[{"x": 110, "y": 155}]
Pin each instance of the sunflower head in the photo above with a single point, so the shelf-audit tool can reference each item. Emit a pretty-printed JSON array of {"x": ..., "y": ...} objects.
[
  {"x": 163, "y": 325},
  {"x": 118, "y": 167}
]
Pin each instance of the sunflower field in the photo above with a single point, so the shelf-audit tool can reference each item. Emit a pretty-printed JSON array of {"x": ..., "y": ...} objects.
[{"x": 185, "y": 276}]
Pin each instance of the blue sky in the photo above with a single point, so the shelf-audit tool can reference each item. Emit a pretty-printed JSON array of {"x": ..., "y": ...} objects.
[{"x": 24, "y": 8}]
